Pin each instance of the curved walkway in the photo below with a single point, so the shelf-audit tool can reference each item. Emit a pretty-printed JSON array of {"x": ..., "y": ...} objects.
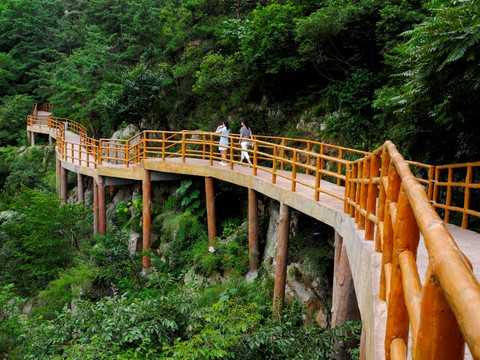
[{"x": 324, "y": 201}]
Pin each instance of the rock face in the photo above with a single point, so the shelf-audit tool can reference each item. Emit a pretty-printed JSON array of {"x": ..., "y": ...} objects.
[{"x": 305, "y": 282}]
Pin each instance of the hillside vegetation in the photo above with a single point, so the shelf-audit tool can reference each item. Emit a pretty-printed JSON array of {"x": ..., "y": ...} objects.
[{"x": 356, "y": 72}]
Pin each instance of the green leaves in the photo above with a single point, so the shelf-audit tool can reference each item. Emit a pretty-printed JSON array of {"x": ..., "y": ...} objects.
[{"x": 34, "y": 252}]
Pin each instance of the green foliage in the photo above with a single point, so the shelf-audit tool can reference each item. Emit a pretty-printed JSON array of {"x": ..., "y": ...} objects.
[
  {"x": 34, "y": 252},
  {"x": 10, "y": 322},
  {"x": 31, "y": 167},
  {"x": 71, "y": 284},
  {"x": 179, "y": 233},
  {"x": 13, "y": 114},
  {"x": 435, "y": 89},
  {"x": 111, "y": 255},
  {"x": 128, "y": 214},
  {"x": 191, "y": 200}
]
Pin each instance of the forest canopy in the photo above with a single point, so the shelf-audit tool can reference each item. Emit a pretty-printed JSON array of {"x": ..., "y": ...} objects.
[{"x": 358, "y": 72}]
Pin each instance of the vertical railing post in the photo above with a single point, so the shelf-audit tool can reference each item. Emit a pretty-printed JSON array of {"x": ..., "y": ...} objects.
[
  {"x": 211, "y": 150},
  {"x": 358, "y": 192},
  {"x": 127, "y": 154},
  {"x": 183, "y": 146},
  {"x": 372, "y": 196},
  {"x": 439, "y": 336},
  {"x": 255, "y": 158},
  {"x": 364, "y": 193},
  {"x": 99, "y": 152},
  {"x": 317, "y": 179},
  {"x": 405, "y": 238},
  {"x": 163, "y": 145},
  {"x": 394, "y": 183},
  {"x": 274, "y": 165},
  {"x": 466, "y": 199},
  {"x": 353, "y": 189},
  {"x": 339, "y": 167},
  {"x": 282, "y": 153},
  {"x": 231, "y": 145},
  {"x": 307, "y": 171},
  {"x": 381, "y": 199},
  {"x": 294, "y": 171},
  {"x": 448, "y": 201},
  {"x": 348, "y": 175}
]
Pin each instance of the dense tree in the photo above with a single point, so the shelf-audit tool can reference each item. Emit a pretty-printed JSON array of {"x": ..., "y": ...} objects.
[
  {"x": 33, "y": 252},
  {"x": 434, "y": 101}
]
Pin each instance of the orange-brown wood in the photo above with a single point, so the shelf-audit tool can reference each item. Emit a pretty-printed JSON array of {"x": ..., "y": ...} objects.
[
  {"x": 95, "y": 208},
  {"x": 253, "y": 230},
  {"x": 406, "y": 236},
  {"x": 438, "y": 334},
  {"x": 102, "y": 209},
  {"x": 358, "y": 190},
  {"x": 372, "y": 196},
  {"x": 412, "y": 288},
  {"x": 211, "y": 217},
  {"x": 398, "y": 350},
  {"x": 466, "y": 199},
  {"x": 394, "y": 183},
  {"x": 344, "y": 301},
  {"x": 382, "y": 196},
  {"x": 146, "y": 217},
  {"x": 281, "y": 259}
]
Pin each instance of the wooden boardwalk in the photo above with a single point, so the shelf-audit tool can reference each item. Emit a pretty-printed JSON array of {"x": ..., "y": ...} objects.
[{"x": 329, "y": 208}]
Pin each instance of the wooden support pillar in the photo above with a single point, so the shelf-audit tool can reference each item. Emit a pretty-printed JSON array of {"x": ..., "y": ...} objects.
[
  {"x": 58, "y": 176},
  {"x": 147, "y": 216},
  {"x": 282, "y": 257},
  {"x": 63, "y": 185},
  {"x": 50, "y": 141},
  {"x": 210, "y": 199},
  {"x": 102, "y": 210},
  {"x": 95, "y": 207},
  {"x": 80, "y": 190},
  {"x": 253, "y": 229},
  {"x": 32, "y": 138},
  {"x": 344, "y": 302}
]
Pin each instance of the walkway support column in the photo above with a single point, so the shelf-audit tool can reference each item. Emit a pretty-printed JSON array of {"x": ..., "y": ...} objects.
[
  {"x": 344, "y": 299},
  {"x": 282, "y": 257},
  {"x": 80, "y": 190},
  {"x": 58, "y": 176},
  {"x": 253, "y": 229},
  {"x": 147, "y": 216},
  {"x": 102, "y": 210},
  {"x": 344, "y": 302},
  {"x": 210, "y": 199},
  {"x": 95, "y": 207},
  {"x": 63, "y": 185}
]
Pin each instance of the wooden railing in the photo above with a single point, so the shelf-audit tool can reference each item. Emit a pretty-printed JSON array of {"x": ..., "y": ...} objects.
[
  {"x": 444, "y": 312},
  {"x": 270, "y": 153}
]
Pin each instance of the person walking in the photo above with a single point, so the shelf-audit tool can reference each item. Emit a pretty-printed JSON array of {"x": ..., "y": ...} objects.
[
  {"x": 223, "y": 144},
  {"x": 245, "y": 136}
]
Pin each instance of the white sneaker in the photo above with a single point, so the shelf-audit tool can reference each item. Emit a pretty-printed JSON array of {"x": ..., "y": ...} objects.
[{"x": 223, "y": 164}]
